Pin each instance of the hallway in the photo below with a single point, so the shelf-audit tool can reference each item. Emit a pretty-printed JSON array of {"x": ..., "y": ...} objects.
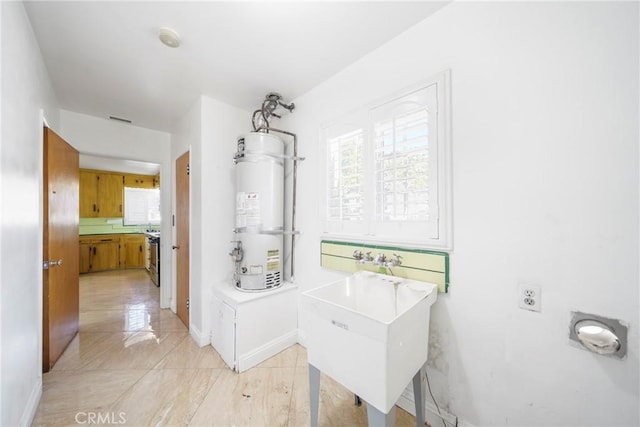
[{"x": 134, "y": 364}]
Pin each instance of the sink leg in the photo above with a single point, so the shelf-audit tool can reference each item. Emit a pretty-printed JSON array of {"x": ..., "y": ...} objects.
[
  {"x": 379, "y": 419},
  {"x": 418, "y": 397},
  {"x": 314, "y": 394}
]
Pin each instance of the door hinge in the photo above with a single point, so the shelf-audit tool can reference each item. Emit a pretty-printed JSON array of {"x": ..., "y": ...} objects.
[
  {"x": 188, "y": 168},
  {"x": 173, "y": 220},
  {"x": 187, "y": 303},
  {"x": 45, "y": 265}
]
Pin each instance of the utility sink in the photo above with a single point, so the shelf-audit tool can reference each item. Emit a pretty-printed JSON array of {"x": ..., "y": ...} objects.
[{"x": 370, "y": 332}]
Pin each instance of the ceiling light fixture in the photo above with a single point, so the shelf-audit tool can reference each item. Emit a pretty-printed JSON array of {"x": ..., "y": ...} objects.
[{"x": 169, "y": 37}]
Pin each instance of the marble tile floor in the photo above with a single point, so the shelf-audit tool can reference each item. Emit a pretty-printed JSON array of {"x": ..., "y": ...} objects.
[{"x": 134, "y": 364}]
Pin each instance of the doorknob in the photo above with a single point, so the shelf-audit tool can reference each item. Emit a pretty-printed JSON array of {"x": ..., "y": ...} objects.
[
  {"x": 175, "y": 247},
  {"x": 48, "y": 264}
]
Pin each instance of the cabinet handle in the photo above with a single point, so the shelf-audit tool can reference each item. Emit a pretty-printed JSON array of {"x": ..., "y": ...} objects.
[
  {"x": 140, "y": 248},
  {"x": 94, "y": 250},
  {"x": 94, "y": 207}
]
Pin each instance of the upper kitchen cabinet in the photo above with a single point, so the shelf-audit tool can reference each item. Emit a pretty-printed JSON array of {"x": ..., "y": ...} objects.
[
  {"x": 140, "y": 181},
  {"x": 101, "y": 194}
]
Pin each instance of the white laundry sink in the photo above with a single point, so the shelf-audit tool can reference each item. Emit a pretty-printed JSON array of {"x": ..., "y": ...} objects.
[{"x": 370, "y": 332}]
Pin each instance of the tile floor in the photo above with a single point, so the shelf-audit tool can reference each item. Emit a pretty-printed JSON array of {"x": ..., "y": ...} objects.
[{"x": 135, "y": 364}]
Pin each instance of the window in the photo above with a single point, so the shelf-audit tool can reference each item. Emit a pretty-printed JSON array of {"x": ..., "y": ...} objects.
[
  {"x": 387, "y": 168},
  {"x": 141, "y": 206}
]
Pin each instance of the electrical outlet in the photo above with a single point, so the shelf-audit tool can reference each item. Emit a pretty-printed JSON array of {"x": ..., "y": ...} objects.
[{"x": 530, "y": 297}]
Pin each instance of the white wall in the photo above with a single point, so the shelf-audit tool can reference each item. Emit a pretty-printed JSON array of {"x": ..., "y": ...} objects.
[
  {"x": 545, "y": 190},
  {"x": 221, "y": 125},
  {"x": 104, "y": 137},
  {"x": 209, "y": 130},
  {"x": 26, "y": 95}
]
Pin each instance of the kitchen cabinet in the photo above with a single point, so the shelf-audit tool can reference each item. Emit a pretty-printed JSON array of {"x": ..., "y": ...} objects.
[
  {"x": 101, "y": 194},
  {"x": 105, "y": 256},
  {"x": 85, "y": 255},
  {"x": 140, "y": 181},
  {"x": 132, "y": 251},
  {"x": 111, "y": 252},
  {"x": 99, "y": 253}
]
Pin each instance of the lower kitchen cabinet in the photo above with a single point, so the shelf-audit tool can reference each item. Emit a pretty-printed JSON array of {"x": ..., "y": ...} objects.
[
  {"x": 111, "y": 252},
  {"x": 105, "y": 256},
  {"x": 132, "y": 251}
]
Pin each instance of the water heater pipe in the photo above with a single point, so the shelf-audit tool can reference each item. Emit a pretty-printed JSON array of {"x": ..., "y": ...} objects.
[{"x": 294, "y": 185}]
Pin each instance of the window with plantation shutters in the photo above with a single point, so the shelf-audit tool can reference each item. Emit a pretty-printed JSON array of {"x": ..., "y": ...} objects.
[
  {"x": 141, "y": 206},
  {"x": 387, "y": 169}
]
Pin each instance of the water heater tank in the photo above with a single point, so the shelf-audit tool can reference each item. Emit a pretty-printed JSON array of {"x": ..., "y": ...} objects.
[{"x": 259, "y": 211}]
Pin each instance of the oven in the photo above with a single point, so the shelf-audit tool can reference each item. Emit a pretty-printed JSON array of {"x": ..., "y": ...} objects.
[{"x": 154, "y": 258}]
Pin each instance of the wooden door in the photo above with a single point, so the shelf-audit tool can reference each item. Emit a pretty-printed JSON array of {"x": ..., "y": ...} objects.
[
  {"x": 61, "y": 299},
  {"x": 110, "y": 195},
  {"x": 182, "y": 237}
]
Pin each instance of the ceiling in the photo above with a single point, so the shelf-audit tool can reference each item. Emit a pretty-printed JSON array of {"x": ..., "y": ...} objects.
[
  {"x": 119, "y": 165},
  {"x": 105, "y": 58}
]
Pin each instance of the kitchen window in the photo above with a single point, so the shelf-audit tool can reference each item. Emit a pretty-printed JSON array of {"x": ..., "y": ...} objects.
[
  {"x": 141, "y": 206},
  {"x": 387, "y": 170}
]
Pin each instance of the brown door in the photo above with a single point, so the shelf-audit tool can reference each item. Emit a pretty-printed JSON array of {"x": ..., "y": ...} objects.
[
  {"x": 60, "y": 247},
  {"x": 182, "y": 237}
]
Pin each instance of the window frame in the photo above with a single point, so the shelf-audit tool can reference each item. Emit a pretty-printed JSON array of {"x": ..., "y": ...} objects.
[
  {"x": 365, "y": 230},
  {"x": 125, "y": 220}
]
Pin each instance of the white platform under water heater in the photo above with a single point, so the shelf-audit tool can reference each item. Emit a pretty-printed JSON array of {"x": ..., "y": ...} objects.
[{"x": 259, "y": 211}]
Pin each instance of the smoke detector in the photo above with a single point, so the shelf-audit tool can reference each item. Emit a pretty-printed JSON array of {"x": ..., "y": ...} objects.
[{"x": 169, "y": 37}]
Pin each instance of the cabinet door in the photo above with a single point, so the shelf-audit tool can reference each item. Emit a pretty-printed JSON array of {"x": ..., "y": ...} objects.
[
  {"x": 85, "y": 257},
  {"x": 88, "y": 194},
  {"x": 110, "y": 195},
  {"x": 134, "y": 251},
  {"x": 139, "y": 181},
  {"x": 105, "y": 256},
  {"x": 223, "y": 333}
]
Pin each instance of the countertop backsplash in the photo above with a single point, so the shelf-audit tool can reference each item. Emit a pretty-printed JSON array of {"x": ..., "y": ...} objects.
[{"x": 111, "y": 226}]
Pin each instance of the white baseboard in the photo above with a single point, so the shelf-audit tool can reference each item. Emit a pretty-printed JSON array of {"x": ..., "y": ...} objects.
[
  {"x": 270, "y": 349},
  {"x": 302, "y": 338},
  {"x": 32, "y": 404},
  {"x": 200, "y": 338},
  {"x": 431, "y": 415}
]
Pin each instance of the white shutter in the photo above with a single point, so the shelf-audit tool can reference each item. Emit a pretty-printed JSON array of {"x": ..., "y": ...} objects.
[{"x": 141, "y": 206}]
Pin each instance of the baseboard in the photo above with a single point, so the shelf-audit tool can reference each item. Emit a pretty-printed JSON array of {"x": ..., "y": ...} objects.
[
  {"x": 302, "y": 338},
  {"x": 432, "y": 417},
  {"x": 32, "y": 404},
  {"x": 270, "y": 349},
  {"x": 200, "y": 338}
]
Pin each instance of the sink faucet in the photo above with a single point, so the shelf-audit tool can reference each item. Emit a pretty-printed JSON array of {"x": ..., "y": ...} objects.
[
  {"x": 380, "y": 259},
  {"x": 395, "y": 261},
  {"x": 365, "y": 258}
]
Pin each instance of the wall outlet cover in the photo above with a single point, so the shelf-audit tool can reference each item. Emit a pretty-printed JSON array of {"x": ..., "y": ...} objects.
[{"x": 529, "y": 297}]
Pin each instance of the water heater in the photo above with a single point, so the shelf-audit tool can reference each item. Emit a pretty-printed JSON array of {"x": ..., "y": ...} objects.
[{"x": 259, "y": 225}]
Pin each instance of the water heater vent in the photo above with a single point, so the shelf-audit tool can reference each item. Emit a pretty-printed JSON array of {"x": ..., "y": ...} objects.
[{"x": 272, "y": 279}]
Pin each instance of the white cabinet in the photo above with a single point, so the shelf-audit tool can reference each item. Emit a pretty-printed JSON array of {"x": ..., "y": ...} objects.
[
  {"x": 249, "y": 328},
  {"x": 223, "y": 337}
]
